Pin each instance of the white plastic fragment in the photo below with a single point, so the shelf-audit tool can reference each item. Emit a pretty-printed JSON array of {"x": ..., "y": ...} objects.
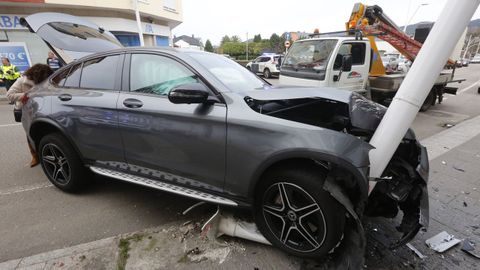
[
  {"x": 220, "y": 224},
  {"x": 414, "y": 249},
  {"x": 442, "y": 242}
]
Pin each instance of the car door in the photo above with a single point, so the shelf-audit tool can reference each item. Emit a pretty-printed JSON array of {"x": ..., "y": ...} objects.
[
  {"x": 183, "y": 143},
  {"x": 357, "y": 77},
  {"x": 84, "y": 103}
]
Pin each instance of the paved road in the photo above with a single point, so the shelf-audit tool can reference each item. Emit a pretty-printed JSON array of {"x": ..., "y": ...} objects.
[{"x": 35, "y": 217}]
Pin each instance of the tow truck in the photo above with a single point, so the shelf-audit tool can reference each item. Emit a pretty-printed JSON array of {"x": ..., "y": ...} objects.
[{"x": 352, "y": 61}]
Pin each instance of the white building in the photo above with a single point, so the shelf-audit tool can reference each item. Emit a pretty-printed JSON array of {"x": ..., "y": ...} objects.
[{"x": 158, "y": 18}]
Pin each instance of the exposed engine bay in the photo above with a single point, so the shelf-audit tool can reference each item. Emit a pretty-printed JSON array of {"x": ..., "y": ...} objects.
[{"x": 403, "y": 185}]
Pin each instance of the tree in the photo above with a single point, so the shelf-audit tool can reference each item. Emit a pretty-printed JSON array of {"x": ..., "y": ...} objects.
[
  {"x": 235, "y": 39},
  {"x": 225, "y": 39},
  {"x": 234, "y": 48},
  {"x": 208, "y": 46},
  {"x": 277, "y": 43},
  {"x": 257, "y": 38}
]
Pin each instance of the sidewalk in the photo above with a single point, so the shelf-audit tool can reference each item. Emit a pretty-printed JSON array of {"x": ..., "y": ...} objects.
[
  {"x": 3, "y": 92},
  {"x": 454, "y": 207}
]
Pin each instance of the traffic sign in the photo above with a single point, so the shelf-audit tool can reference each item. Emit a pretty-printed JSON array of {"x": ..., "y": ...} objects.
[{"x": 287, "y": 44}]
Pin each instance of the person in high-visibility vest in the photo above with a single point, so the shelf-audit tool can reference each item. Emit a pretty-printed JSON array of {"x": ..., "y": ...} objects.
[{"x": 9, "y": 73}]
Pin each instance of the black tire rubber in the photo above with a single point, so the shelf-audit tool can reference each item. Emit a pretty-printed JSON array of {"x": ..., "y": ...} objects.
[
  {"x": 249, "y": 69},
  {"x": 267, "y": 74},
  {"x": 429, "y": 101},
  {"x": 79, "y": 175},
  {"x": 310, "y": 180}
]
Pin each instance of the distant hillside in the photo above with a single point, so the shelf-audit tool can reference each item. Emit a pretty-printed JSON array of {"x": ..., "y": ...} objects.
[{"x": 473, "y": 26}]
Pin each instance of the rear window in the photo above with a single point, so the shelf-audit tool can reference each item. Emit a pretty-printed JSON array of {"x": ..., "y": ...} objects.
[
  {"x": 308, "y": 59},
  {"x": 77, "y": 38}
]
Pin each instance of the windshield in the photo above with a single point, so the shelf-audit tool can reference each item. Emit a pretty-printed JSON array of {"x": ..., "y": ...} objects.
[
  {"x": 308, "y": 59},
  {"x": 231, "y": 74}
]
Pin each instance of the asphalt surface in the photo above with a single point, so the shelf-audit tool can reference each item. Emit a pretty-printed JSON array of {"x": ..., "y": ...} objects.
[{"x": 36, "y": 217}]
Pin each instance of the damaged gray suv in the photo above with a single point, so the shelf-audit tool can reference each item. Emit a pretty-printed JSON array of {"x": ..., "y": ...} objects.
[{"x": 199, "y": 125}]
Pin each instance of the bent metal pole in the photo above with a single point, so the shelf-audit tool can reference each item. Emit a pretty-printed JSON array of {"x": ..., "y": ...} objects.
[{"x": 418, "y": 82}]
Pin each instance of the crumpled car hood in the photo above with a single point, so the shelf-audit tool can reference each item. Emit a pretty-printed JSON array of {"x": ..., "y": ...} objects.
[
  {"x": 363, "y": 113},
  {"x": 294, "y": 92}
]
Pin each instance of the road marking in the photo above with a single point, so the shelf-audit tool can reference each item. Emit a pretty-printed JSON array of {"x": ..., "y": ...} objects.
[
  {"x": 470, "y": 86},
  {"x": 10, "y": 125},
  {"x": 20, "y": 189}
]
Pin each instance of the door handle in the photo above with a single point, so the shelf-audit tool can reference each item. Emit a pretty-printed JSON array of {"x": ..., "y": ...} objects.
[
  {"x": 132, "y": 103},
  {"x": 65, "y": 97}
]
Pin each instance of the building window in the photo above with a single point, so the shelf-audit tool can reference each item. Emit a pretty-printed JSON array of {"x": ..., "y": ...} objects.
[
  {"x": 162, "y": 41},
  {"x": 128, "y": 40}
]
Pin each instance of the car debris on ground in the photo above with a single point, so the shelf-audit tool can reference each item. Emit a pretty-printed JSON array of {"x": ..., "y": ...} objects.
[
  {"x": 469, "y": 248},
  {"x": 442, "y": 242}
]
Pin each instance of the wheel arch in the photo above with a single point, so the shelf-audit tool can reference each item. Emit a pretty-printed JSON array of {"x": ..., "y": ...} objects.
[
  {"x": 327, "y": 161},
  {"x": 44, "y": 126}
]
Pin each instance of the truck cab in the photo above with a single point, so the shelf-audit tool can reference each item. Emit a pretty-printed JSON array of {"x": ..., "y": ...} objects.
[{"x": 320, "y": 62}]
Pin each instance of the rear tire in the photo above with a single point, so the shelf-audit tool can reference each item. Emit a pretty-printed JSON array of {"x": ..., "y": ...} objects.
[
  {"x": 267, "y": 74},
  {"x": 429, "y": 101},
  {"x": 61, "y": 163},
  {"x": 309, "y": 222}
]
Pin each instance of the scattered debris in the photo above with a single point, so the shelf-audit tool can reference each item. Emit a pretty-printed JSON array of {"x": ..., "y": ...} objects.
[
  {"x": 469, "y": 247},
  {"x": 444, "y": 162},
  {"x": 465, "y": 204},
  {"x": 458, "y": 169},
  {"x": 448, "y": 125},
  {"x": 192, "y": 207},
  {"x": 442, "y": 242},
  {"x": 435, "y": 189},
  {"x": 375, "y": 229},
  {"x": 414, "y": 249}
]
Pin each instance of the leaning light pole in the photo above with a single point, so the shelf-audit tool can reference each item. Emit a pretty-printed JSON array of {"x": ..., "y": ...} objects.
[{"x": 418, "y": 82}]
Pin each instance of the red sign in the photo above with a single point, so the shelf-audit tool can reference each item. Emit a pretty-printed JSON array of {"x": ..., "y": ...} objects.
[{"x": 287, "y": 44}]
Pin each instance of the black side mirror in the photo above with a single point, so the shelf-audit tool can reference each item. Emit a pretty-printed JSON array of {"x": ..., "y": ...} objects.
[
  {"x": 347, "y": 62},
  {"x": 189, "y": 93}
]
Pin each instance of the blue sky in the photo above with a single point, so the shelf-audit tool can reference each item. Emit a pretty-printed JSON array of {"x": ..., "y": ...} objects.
[{"x": 212, "y": 19}]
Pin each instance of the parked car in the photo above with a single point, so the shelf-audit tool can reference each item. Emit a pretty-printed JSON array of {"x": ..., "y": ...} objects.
[
  {"x": 200, "y": 125},
  {"x": 390, "y": 62},
  {"x": 267, "y": 64},
  {"x": 475, "y": 59},
  {"x": 465, "y": 62},
  {"x": 404, "y": 64}
]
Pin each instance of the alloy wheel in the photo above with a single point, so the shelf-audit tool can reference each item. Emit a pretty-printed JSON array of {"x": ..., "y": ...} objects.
[
  {"x": 294, "y": 217},
  {"x": 55, "y": 164}
]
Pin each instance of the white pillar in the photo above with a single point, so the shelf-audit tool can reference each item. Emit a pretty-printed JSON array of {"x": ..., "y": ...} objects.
[
  {"x": 418, "y": 82},
  {"x": 139, "y": 23}
]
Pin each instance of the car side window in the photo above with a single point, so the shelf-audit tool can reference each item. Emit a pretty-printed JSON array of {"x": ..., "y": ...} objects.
[
  {"x": 73, "y": 79},
  {"x": 60, "y": 78},
  {"x": 100, "y": 73},
  {"x": 155, "y": 74},
  {"x": 356, "y": 50}
]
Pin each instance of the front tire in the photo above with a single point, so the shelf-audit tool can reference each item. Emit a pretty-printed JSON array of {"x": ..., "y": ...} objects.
[
  {"x": 61, "y": 164},
  {"x": 296, "y": 214}
]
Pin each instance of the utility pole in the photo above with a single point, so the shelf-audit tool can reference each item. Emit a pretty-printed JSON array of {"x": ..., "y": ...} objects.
[
  {"x": 139, "y": 23},
  {"x": 417, "y": 84},
  {"x": 247, "y": 47},
  {"x": 413, "y": 15},
  {"x": 467, "y": 47}
]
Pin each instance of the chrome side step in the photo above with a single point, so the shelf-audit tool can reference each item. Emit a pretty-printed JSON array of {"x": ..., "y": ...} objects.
[{"x": 163, "y": 186}]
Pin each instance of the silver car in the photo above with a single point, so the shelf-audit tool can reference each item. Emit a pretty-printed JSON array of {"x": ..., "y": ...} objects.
[{"x": 200, "y": 125}]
